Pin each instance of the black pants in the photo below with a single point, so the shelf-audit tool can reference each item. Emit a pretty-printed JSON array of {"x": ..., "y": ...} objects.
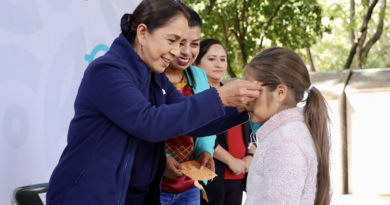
[{"x": 230, "y": 193}]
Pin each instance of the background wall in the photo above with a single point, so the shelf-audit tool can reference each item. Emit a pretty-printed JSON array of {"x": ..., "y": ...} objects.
[{"x": 45, "y": 46}]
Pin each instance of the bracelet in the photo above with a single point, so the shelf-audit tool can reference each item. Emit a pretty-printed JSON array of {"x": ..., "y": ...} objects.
[
  {"x": 250, "y": 154},
  {"x": 219, "y": 97}
]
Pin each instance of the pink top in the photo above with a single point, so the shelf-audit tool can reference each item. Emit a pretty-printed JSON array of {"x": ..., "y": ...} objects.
[{"x": 284, "y": 167}]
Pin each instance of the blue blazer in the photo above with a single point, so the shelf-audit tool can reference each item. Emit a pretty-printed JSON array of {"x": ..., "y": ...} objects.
[{"x": 113, "y": 113}]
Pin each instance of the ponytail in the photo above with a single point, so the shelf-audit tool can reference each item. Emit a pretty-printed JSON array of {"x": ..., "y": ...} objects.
[
  {"x": 128, "y": 28},
  {"x": 317, "y": 120}
]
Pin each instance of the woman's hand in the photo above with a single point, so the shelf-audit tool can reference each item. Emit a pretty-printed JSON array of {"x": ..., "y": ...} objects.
[
  {"x": 248, "y": 162},
  {"x": 239, "y": 93},
  {"x": 173, "y": 167},
  {"x": 238, "y": 166},
  {"x": 206, "y": 160}
]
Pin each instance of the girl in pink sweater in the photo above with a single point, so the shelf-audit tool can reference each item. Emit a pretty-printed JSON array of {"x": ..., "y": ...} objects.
[{"x": 291, "y": 163}]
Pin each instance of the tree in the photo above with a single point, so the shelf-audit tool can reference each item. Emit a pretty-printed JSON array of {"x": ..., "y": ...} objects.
[
  {"x": 246, "y": 26},
  {"x": 345, "y": 19},
  {"x": 359, "y": 48},
  {"x": 357, "y": 45},
  {"x": 310, "y": 59}
]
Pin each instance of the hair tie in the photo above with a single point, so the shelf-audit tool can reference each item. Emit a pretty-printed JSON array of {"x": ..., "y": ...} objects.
[{"x": 310, "y": 87}]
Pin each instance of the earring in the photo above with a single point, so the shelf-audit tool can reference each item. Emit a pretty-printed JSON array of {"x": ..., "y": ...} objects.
[{"x": 142, "y": 47}]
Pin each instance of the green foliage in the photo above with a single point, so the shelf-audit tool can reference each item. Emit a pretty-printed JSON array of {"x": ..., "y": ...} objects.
[
  {"x": 331, "y": 51},
  {"x": 295, "y": 24},
  {"x": 323, "y": 26}
]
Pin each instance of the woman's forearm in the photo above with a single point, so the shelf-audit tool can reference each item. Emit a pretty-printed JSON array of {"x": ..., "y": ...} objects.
[
  {"x": 222, "y": 155},
  {"x": 231, "y": 119}
]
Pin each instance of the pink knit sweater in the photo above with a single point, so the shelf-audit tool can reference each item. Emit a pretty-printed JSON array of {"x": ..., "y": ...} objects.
[{"x": 284, "y": 167}]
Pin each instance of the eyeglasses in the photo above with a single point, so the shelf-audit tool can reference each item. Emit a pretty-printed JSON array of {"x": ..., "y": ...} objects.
[{"x": 265, "y": 84}]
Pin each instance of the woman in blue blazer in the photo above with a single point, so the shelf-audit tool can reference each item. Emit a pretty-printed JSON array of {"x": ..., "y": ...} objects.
[{"x": 126, "y": 108}]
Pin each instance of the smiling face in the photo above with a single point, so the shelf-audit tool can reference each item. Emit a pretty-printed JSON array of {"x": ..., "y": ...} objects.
[
  {"x": 189, "y": 50},
  {"x": 214, "y": 62},
  {"x": 163, "y": 45}
]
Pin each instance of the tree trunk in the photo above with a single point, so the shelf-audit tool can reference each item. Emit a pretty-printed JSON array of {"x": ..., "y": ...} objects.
[
  {"x": 359, "y": 48},
  {"x": 378, "y": 32},
  {"x": 358, "y": 58},
  {"x": 230, "y": 70},
  {"x": 243, "y": 54},
  {"x": 351, "y": 18},
  {"x": 225, "y": 27},
  {"x": 239, "y": 33},
  {"x": 388, "y": 64},
  {"x": 362, "y": 30},
  {"x": 208, "y": 9},
  {"x": 310, "y": 59},
  {"x": 242, "y": 47}
]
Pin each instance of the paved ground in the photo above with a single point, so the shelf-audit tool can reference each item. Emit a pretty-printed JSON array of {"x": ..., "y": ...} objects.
[
  {"x": 357, "y": 200},
  {"x": 361, "y": 200}
]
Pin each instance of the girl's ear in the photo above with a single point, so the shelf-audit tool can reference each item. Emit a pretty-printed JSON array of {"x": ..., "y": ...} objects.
[{"x": 281, "y": 93}]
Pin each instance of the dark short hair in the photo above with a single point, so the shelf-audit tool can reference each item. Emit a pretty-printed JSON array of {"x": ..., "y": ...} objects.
[
  {"x": 154, "y": 14},
  {"x": 194, "y": 19},
  {"x": 205, "y": 46}
]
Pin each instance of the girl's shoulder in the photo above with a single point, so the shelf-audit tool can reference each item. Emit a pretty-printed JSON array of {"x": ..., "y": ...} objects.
[
  {"x": 299, "y": 134},
  {"x": 289, "y": 119},
  {"x": 295, "y": 131},
  {"x": 287, "y": 127}
]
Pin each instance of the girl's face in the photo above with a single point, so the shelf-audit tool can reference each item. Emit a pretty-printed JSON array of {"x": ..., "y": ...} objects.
[
  {"x": 163, "y": 45},
  {"x": 188, "y": 51},
  {"x": 214, "y": 62},
  {"x": 263, "y": 108}
]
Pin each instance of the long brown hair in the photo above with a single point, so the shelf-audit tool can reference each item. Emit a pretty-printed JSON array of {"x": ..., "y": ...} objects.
[{"x": 283, "y": 66}]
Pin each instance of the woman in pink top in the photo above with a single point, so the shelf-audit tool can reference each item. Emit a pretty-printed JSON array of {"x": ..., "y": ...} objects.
[{"x": 291, "y": 163}]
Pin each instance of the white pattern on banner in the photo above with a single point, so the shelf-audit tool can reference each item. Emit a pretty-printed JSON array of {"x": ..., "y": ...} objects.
[{"x": 43, "y": 197}]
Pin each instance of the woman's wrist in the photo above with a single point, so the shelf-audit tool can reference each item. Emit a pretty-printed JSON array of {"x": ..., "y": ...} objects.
[
  {"x": 230, "y": 160},
  {"x": 219, "y": 95},
  {"x": 250, "y": 154}
]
